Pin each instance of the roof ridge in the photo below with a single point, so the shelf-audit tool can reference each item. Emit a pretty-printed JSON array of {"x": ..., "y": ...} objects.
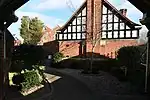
[
  {"x": 73, "y": 15},
  {"x": 106, "y": 2}
]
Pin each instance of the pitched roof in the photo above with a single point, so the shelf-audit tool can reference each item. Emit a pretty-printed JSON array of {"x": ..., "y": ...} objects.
[
  {"x": 74, "y": 15},
  {"x": 119, "y": 14},
  {"x": 106, "y": 3}
]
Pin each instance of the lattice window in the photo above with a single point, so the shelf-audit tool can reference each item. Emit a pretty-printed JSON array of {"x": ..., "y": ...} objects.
[{"x": 113, "y": 27}]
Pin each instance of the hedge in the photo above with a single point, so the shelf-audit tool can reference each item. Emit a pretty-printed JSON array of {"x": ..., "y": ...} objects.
[
  {"x": 129, "y": 56},
  {"x": 31, "y": 79}
]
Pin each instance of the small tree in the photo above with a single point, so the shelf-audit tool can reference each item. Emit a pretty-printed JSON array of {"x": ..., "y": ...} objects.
[{"x": 94, "y": 37}]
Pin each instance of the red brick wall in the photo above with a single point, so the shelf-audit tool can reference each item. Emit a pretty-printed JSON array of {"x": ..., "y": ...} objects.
[
  {"x": 51, "y": 47},
  {"x": 48, "y": 35},
  {"x": 113, "y": 46},
  {"x": 69, "y": 48},
  {"x": 72, "y": 48}
]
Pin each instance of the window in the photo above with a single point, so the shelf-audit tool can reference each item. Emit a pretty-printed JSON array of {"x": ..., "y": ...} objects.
[
  {"x": 65, "y": 31},
  {"x": 109, "y": 34},
  {"x": 83, "y": 20},
  {"x": 104, "y": 10},
  {"x": 65, "y": 36},
  {"x": 104, "y": 20},
  {"x": 122, "y": 25},
  {"x": 83, "y": 35},
  {"x": 84, "y": 12},
  {"x": 103, "y": 34},
  {"x": 109, "y": 18},
  {"x": 115, "y": 34},
  {"x": 115, "y": 26},
  {"x": 110, "y": 26},
  {"x": 115, "y": 18},
  {"x": 74, "y": 36},
  {"x": 69, "y": 28},
  {"x": 134, "y": 33},
  {"x": 73, "y": 28},
  {"x": 74, "y": 22},
  {"x": 60, "y": 36},
  {"x": 128, "y": 34},
  {"x": 122, "y": 34},
  {"x": 78, "y": 21},
  {"x": 69, "y": 36},
  {"x": 78, "y": 28},
  {"x": 79, "y": 36}
]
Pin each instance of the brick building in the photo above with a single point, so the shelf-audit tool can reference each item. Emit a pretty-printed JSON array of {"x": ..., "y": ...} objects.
[
  {"x": 48, "y": 42},
  {"x": 48, "y": 35},
  {"x": 97, "y": 24}
]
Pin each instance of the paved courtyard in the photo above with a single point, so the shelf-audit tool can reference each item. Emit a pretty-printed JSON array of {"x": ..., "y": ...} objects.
[{"x": 68, "y": 84}]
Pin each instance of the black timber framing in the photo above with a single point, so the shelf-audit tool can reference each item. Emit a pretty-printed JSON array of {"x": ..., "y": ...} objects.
[
  {"x": 77, "y": 30},
  {"x": 64, "y": 33},
  {"x": 108, "y": 33}
]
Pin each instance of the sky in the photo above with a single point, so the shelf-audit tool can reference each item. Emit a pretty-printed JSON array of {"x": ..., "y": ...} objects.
[{"x": 57, "y": 12}]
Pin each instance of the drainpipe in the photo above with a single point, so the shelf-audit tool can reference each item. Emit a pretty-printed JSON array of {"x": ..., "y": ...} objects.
[
  {"x": 4, "y": 42},
  {"x": 146, "y": 21},
  {"x": 4, "y": 60},
  {"x": 147, "y": 63}
]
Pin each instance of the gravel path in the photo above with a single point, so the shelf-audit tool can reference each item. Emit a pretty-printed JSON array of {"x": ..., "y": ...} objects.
[
  {"x": 104, "y": 86},
  {"x": 102, "y": 83}
]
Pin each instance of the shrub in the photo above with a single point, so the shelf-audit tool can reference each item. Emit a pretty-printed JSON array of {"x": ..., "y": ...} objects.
[
  {"x": 129, "y": 56},
  {"x": 119, "y": 74},
  {"x": 105, "y": 65},
  {"x": 30, "y": 79},
  {"x": 57, "y": 57},
  {"x": 28, "y": 55}
]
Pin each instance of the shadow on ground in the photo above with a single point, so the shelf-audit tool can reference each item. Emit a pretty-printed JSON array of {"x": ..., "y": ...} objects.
[{"x": 14, "y": 94}]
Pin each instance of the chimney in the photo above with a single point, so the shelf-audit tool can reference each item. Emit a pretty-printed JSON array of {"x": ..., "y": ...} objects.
[
  {"x": 123, "y": 11},
  {"x": 94, "y": 9},
  {"x": 94, "y": 18}
]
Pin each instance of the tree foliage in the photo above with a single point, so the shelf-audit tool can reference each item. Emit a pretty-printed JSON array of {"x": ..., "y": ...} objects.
[{"x": 31, "y": 30}]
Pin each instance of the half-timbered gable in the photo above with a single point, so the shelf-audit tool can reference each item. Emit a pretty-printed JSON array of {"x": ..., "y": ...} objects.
[
  {"x": 75, "y": 28},
  {"x": 99, "y": 20},
  {"x": 115, "y": 25}
]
